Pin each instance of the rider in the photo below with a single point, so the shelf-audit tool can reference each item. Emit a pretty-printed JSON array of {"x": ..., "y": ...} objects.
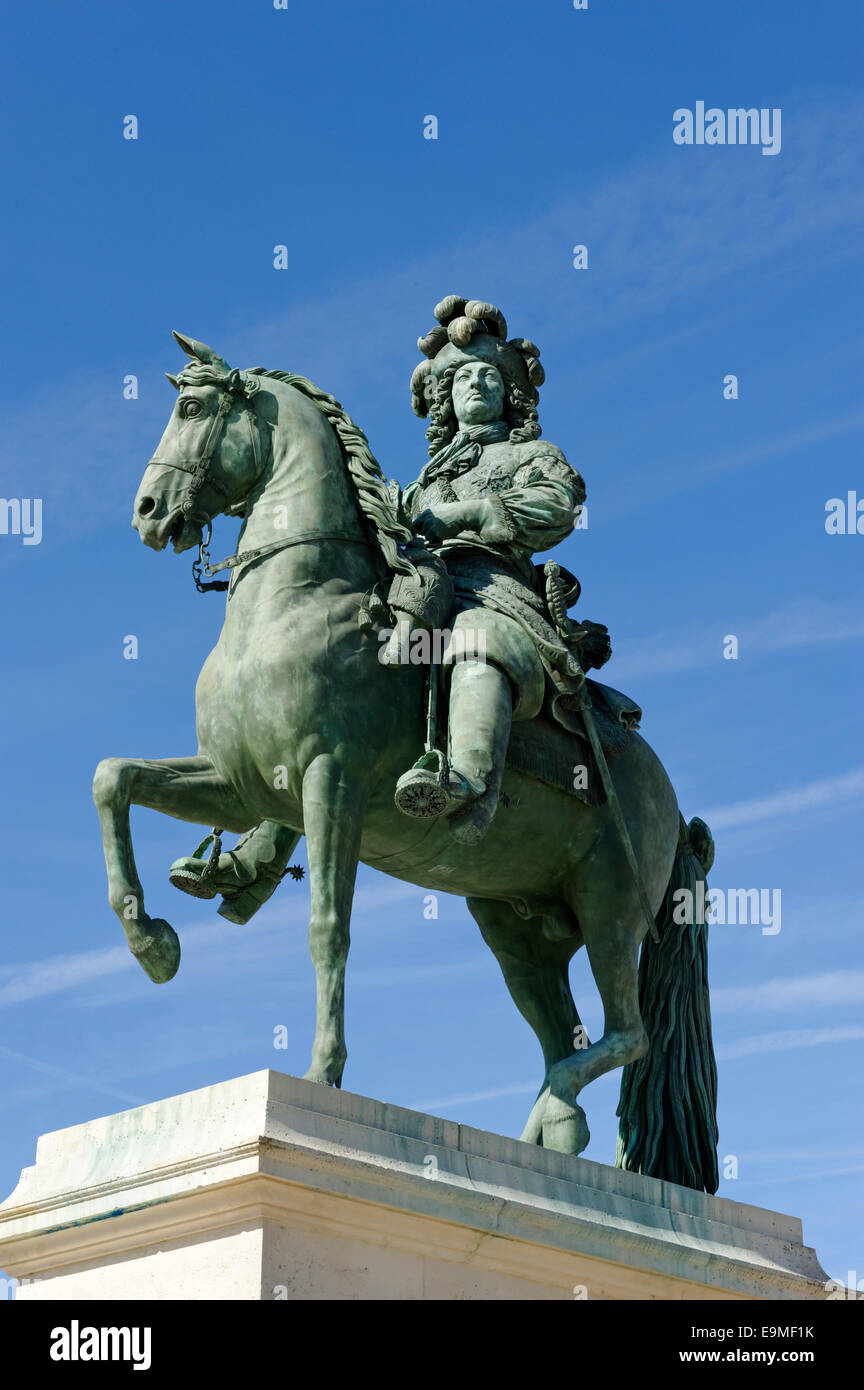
[{"x": 491, "y": 495}]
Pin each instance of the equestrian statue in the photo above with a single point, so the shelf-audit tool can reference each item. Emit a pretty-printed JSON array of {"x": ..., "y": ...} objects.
[{"x": 398, "y": 680}]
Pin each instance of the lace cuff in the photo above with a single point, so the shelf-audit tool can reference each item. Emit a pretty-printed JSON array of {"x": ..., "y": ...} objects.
[{"x": 499, "y": 526}]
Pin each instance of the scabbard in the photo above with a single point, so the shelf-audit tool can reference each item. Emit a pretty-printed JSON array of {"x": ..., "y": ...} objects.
[{"x": 615, "y": 807}]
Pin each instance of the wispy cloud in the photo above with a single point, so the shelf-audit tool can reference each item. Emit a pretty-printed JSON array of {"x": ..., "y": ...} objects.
[
  {"x": 374, "y": 903},
  {"x": 791, "y": 1040},
  {"x": 668, "y": 481},
  {"x": 36, "y": 979},
  {"x": 522, "y": 1088},
  {"x": 42, "y": 977},
  {"x": 179, "y": 1045},
  {"x": 827, "y": 791},
  {"x": 819, "y": 1174},
  {"x": 448, "y": 1102},
  {"x": 726, "y": 1052},
  {"x": 793, "y": 993},
  {"x": 799, "y": 625},
  {"x": 800, "y": 1155},
  {"x": 82, "y": 447},
  {"x": 69, "y": 1078},
  {"x": 388, "y": 977}
]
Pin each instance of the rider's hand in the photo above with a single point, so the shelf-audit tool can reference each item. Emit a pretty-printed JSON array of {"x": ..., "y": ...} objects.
[{"x": 448, "y": 519}]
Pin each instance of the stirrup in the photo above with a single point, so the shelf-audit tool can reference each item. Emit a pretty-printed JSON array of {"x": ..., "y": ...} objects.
[
  {"x": 192, "y": 874},
  {"x": 189, "y": 880},
  {"x": 425, "y": 793}
]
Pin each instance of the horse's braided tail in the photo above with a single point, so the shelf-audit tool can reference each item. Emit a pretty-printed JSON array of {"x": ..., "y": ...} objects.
[{"x": 668, "y": 1106}]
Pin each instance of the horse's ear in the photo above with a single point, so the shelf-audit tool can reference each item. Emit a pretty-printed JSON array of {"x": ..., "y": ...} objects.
[
  {"x": 201, "y": 351},
  {"x": 187, "y": 344},
  {"x": 175, "y": 381}
]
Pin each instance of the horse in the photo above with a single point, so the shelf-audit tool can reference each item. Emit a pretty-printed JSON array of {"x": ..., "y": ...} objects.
[{"x": 300, "y": 723}]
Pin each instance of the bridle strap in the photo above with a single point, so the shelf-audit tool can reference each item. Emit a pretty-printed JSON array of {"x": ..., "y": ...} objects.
[
  {"x": 245, "y": 557},
  {"x": 188, "y": 468},
  {"x": 198, "y": 469},
  {"x": 202, "y": 467}
]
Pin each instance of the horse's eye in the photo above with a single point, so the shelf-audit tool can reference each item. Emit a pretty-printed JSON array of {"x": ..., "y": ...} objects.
[{"x": 191, "y": 408}]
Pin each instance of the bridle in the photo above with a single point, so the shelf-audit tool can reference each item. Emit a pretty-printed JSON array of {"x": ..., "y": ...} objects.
[{"x": 244, "y": 385}]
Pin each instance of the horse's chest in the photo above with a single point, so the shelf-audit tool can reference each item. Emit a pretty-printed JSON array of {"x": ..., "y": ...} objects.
[
  {"x": 242, "y": 708},
  {"x": 270, "y": 703}
]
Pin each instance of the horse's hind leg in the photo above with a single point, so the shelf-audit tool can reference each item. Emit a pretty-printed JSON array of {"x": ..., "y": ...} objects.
[
  {"x": 612, "y": 930},
  {"x": 535, "y": 970},
  {"x": 187, "y": 788}
]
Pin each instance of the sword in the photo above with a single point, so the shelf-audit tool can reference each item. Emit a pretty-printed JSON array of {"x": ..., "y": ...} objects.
[
  {"x": 559, "y": 615},
  {"x": 615, "y": 805}
]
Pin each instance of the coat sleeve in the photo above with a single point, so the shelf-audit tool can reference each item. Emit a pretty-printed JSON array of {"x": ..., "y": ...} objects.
[{"x": 540, "y": 506}]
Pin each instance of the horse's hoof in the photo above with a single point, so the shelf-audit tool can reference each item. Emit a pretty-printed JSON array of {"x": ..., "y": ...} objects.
[
  {"x": 565, "y": 1128},
  {"x": 533, "y": 1131},
  {"x": 329, "y": 1071},
  {"x": 323, "y": 1078},
  {"x": 161, "y": 957}
]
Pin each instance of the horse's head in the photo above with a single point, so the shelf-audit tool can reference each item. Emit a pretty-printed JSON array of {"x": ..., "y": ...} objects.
[{"x": 210, "y": 456}]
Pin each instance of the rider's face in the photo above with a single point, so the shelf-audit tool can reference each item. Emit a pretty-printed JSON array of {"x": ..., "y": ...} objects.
[{"x": 478, "y": 393}]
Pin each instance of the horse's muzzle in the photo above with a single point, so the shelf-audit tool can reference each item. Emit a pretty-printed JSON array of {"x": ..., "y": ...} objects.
[{"x": 156, "y": 531}]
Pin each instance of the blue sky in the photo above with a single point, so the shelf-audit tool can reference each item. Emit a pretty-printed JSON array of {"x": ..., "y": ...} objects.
[{"x": 260, "y": 127}]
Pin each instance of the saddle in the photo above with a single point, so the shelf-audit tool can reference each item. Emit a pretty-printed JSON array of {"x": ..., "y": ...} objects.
[{"x": 554, "y": 747}]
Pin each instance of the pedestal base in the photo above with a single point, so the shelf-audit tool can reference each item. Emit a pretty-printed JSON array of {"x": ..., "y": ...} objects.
[{"x": 269, "y": 1187}]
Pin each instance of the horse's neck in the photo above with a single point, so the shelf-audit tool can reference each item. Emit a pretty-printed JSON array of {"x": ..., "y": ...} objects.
[{"x": 305, "y": 491}]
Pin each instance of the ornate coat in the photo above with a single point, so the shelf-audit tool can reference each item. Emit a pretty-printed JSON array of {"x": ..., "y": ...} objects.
[{"x": 535, "y": 494}]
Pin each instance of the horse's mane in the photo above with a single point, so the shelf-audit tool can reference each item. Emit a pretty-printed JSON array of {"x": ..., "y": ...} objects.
[{"x": 370, "y": 486}]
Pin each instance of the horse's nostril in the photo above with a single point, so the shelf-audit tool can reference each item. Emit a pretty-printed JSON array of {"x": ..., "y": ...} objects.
[{"x": 145, "y": 506}]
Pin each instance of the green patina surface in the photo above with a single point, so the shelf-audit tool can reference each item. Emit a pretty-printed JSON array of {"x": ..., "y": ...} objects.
[{"x": 314, "y": 719}]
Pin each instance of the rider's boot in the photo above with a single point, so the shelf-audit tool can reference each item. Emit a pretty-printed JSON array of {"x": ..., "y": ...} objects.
[
  {"x": 481, "y": 715},
  {"x": 481, "y": 708},
  {"x": 246, "y": 876}
]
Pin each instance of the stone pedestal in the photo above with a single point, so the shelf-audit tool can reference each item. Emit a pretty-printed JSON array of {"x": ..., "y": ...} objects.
[{"x": 269, "y": 1187}]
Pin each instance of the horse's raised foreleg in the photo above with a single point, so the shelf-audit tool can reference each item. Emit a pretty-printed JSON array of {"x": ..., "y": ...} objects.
[
  {"x": 187, "y": 788},
  {"x": 535, "y": 970},
  {"x": 333, "y": 809}
]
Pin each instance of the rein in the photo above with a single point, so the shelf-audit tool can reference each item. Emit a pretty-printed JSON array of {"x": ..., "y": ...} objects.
[
  {"x": 236, "y": 384},
  {"x": 245, "y": 557}
]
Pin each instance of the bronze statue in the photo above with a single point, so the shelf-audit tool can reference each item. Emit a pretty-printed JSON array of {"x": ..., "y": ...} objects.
[{"x": 535, "y": 798}]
